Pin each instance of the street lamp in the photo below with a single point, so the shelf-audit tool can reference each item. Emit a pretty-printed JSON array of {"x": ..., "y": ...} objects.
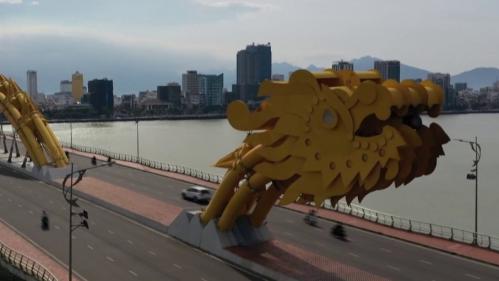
[
  {"x": 71, "y": 134},
  {"x": 473, "y": 175},
  {"x": 68, "y": 196},
  {"x": 137, "y": 123}
]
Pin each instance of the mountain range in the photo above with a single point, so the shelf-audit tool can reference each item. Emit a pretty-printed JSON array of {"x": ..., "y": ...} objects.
[{"x": 476, "y": 78}]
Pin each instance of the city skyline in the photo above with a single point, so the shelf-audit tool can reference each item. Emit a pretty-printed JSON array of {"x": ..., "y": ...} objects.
[{"x": 159, "y": 41}]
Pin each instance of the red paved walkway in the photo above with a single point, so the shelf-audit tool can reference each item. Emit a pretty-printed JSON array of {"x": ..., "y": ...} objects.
[
  {"x": 460, "y": 249},
  {"x": 14, "y": 241},
  {"x": 301, "y": 264}
]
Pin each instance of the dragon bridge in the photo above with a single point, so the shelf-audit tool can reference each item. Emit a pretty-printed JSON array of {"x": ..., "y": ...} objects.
[
  {"x": 40, "y": 142},
  {"x": 326, "y": 135}
]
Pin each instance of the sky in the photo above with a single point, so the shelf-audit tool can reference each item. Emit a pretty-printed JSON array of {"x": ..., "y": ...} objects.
[{"x": 141, "y": 44}]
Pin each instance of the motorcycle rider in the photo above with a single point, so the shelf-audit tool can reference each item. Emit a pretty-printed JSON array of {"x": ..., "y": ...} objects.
[{"x": 45, "y": 221}]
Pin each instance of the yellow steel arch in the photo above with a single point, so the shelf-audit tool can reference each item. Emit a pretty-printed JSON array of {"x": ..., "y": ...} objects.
[
  {"x": 39, "y": 140},
  {"x": 326, "y": 135}
]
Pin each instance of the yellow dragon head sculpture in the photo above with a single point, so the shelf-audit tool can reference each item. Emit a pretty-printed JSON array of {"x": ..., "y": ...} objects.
[{"x": 336, "y": 134}]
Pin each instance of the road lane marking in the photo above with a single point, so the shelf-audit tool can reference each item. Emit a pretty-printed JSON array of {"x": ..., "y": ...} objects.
[
  {"x": 110, "y": 232},
  {"x": 288, "y": 233},
  {"x": 10, "y": 200},
  {"x": 73, "y": 236},
  {"x": 353, "y": 255},
  {"x": 152, "y": 253},
  {"x": 202, "y": 279},
  {"x": 57, "y": 227},
  {"x": 19, "y": 205},
  {"x": 133, "y": 273},
  {"x": 110, "y": 259},
  {"x": 472, "y": 276},
  {"x": 90, "y": 247},
  {"x": 177, "y": 266},
  {"x": 129, "y": 242},
  {"x": 393, "y": 267},
  {"x": 30, "y": 212},
  {"x": 385, "y": 250},
  {"x": 426, "y": 262}
]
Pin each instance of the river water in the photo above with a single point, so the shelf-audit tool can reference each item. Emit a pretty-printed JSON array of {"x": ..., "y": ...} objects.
[{"x": 445, "y": 197}]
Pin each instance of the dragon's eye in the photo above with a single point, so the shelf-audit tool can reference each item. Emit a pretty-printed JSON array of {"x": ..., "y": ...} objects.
[{"x": 329, "y": 118}]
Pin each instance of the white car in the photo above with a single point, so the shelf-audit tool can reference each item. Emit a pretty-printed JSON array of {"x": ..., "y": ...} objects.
[{"x": 197, "y": 194}]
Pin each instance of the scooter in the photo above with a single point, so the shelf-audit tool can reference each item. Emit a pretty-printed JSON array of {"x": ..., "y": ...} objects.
[
  {"x": 310, "y": 220},
  {"x": 338, "y": 231}
]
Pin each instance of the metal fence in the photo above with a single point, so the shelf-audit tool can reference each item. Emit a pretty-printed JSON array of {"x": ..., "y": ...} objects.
[
  {"x": 148, "y": 163},
  {"x": 435, "y": 230},
  {"x": 25, "y": 264}
]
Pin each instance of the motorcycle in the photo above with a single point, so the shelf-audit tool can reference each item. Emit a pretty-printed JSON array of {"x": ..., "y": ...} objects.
[
  {"x": 310, "y": 219},
  {"x": 338, "y": 231}
]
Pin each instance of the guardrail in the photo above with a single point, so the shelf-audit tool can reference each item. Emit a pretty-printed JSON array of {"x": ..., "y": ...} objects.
[
  {"x": 25, "y": 264},
  {"x": 434, "y": 230},
  {"x": 149, "y": 163}
]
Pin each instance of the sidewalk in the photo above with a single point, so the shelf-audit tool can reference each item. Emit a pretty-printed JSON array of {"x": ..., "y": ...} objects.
[{"x": 464, "y": 250}]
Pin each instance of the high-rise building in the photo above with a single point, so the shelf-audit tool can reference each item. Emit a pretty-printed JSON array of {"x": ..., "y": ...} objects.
[
  {"x": 443, "y": 80},
  {"x": 389, "y": 69},
  {"x": 77, "y": 88},
  {"x": 211, "y": 89},
  {"x": 101, "y": 95},
  {"x": 65, "y": 86},
  {"x": 460, "y": 86},
  {"x": 254, "y": 64},
  {"x": 190, "y": 83},
  {"x": 170, "y": 93},
  {"x": 32, "y": 84},
  {"x": 342, "y": 65}
]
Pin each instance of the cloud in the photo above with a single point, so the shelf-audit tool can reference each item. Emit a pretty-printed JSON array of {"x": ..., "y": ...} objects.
[
  {"x": 35, "y": 3},
  {"x": 11, "y": 1}
]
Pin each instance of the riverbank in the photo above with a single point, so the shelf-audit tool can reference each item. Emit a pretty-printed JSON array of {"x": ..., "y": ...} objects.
[{"x": 140, "y": 118}]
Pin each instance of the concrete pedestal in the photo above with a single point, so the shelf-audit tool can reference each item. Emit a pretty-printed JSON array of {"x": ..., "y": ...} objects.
[{"x": 188, "y": 228}]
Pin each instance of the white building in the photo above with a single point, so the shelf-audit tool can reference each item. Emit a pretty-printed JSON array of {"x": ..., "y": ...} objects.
[{"x": 66, "y": 86}]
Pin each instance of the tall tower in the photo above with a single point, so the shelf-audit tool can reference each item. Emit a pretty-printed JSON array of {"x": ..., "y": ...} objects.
[
  {"x": 389, "y": 69},
  {"x": 77, "y": 86},
  {"x": 101, "y": 95},
  {"x": 32, "y": 84},
  {"x": 254, "y": 64}
]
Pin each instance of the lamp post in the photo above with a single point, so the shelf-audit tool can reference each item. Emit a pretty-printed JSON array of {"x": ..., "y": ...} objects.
[
  {"x": 68, "y": 196},
  {"x": 473, "y": 175},
  {"x": 137, "y": 123},
  {"x": 71, "y": 134}
]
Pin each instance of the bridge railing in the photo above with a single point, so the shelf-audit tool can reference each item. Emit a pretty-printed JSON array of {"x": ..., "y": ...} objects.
[
  {"x": 435, "y": 230},
  {"x": 25, "y": 264},
  {"x": 169, "y": 167}
]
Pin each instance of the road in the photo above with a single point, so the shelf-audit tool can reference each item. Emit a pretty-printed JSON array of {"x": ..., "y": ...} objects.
[
  {"x": 383, "y": 256},
  {"x": 114, "y": 248}
]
